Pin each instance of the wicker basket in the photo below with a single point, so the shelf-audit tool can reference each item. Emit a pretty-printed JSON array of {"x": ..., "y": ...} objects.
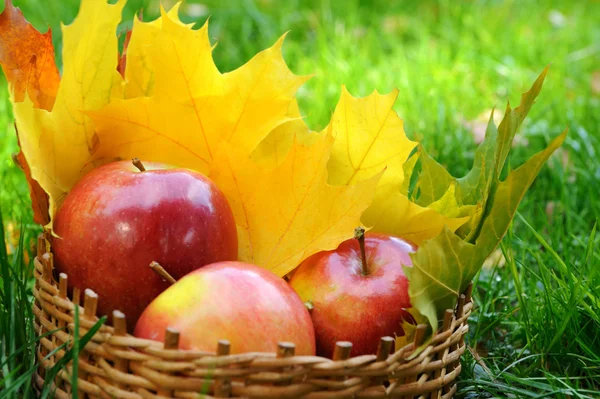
[{"x": 117, "y": 365}]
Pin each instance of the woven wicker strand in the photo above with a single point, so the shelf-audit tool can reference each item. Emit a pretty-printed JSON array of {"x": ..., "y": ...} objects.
[{"x": 114, "y": 364}]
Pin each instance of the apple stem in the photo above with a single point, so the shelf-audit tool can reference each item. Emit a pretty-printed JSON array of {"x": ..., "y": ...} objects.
[
  {"x": 138, "y": 164},
  {"x": 359, "y": 234},
  {"x": 158, "y": 269}
]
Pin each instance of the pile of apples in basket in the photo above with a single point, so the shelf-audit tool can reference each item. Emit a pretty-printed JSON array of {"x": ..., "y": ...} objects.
[{"x": 200, "y": 201}]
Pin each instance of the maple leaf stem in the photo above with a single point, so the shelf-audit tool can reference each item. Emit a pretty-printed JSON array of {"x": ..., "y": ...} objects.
[
  {"x": 158, "y": 269},
  {"x": 359, "y": 234},
  {"x": 138, "y": 164}
]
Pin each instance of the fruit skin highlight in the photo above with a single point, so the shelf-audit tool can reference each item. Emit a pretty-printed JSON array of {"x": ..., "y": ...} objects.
[
  {"x": 355, "y": 303},
  {"x": 250, "y": 306},
  {"x": 117, "y": 219}
]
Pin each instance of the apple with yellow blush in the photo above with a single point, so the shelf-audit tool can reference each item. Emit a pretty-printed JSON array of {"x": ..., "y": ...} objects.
[{"x": 247, "y": 305}]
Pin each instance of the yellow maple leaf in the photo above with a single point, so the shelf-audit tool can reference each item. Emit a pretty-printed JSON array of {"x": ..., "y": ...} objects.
[
  {"x": 193, "y": 107},
  {"x": 272, "y": 151},
  {"x": 139, "y": 74},
  {"x": 393, "y": 213},
  {"x": 369, "y": 137},
  {"x": 58, "y": 144},
  {"x": 289, "y": 212}
]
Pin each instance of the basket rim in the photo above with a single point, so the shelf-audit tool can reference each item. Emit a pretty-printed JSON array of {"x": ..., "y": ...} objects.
[{"x": 165, "y": 362}]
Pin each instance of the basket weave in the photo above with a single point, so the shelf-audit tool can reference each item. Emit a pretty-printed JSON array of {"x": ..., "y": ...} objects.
[{"x": 117, "y": 365}]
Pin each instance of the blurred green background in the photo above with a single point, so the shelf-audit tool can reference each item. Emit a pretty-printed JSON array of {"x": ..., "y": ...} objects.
[{"x": 453, "y": 61}]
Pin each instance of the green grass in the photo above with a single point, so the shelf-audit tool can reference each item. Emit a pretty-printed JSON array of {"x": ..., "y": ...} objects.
[
  {"x": 538, "y": 316},
  {"x": 18, "y": 339}
]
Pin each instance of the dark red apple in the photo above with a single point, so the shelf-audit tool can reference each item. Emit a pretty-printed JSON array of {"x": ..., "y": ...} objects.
[
  {"x": 250, "y": 306},
  {"x": 355, "y": 298},
  {"x": 118, "y": 219}
]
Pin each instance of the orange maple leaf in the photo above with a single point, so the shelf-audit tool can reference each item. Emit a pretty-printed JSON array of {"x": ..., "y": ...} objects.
[
  {"x": 27, "y": 59},
  {"x": 123, "y": 56}
]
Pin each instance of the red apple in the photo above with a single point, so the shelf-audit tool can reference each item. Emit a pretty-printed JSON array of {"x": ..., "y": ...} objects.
[
  {"x": 118, "y": 219},
  {"x": 353, "y": 298},
  {"x": 243, "y": 303}
]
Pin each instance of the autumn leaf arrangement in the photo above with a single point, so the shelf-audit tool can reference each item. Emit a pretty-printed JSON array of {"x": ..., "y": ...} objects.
[{"x": 293, "y": 192}]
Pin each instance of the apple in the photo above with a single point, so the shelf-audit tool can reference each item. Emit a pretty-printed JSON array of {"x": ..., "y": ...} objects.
[
  {"x": 250, "y": 306},
  {"x": 120, "y": 217},
  {"x": 358, "y": 292}
]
